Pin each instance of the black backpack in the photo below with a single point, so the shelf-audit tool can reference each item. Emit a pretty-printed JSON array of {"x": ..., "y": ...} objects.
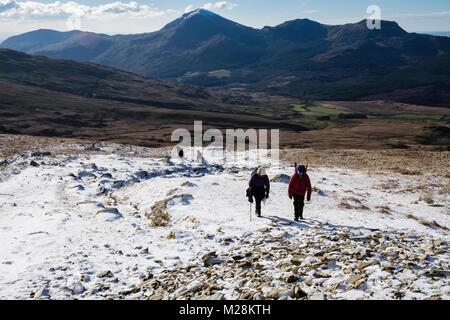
[{"x": 249, "y": 194}]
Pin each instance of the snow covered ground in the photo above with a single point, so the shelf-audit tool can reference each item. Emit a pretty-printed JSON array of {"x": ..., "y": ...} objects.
[{"x": 106, "y": 225}]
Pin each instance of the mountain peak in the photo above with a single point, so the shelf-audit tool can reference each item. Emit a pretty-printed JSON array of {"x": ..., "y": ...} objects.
[
  {"x": 298, "y": 30},
  {"x": 388, "y": 27},
  {"x": 200, "y": 11},
  {"x": 198, "y": 14}
]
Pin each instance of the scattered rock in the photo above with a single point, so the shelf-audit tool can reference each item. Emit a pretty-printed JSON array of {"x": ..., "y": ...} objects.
[
  {"x": 291, "y": 279},
  {"x": 237, "y": 257},
  {"x": 110, "y": 213},
  {"x": 437, "y": 273},
  {"x": 131, "y": 291},
  {"x": 213, "y": 261},
  {"x": 298, "y": 293},
  {"x": 363, "y": 265},
  {"x": 78, "y": 289},
  {"x": 40, "y": 154},
  {"x": 282, "y": 178},
  {"x": 34, "y": 163},
  {"x": 319, "y": 274},
  {"x": 188, "y": 184},
  {"x": 42, "y": 293},
  {"x": 209, "y": 256},
  {"x": 105, "y": 274},
  {"x": 245, "y": 264},
  {"x": 285, "y": 293},
  {"x": 355, "y": 278},
  {"x": 439, "y": 242}
]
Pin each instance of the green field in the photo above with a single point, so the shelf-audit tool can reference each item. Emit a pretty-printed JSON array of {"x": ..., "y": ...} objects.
[
  {"x": 317, "y": 111},
  {"x": 323, "y": 124},
  {"x": 298, "y": 108}
]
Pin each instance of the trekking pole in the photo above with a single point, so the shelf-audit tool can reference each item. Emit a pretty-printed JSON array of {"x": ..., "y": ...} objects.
[{"x": 250, "y": 211}]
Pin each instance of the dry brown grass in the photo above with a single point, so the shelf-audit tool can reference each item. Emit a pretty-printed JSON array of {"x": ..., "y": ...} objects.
[
  {"x": 374, "y": 161},
  {"x": 317, "y": 190},
  {"x": 193, "y": 221},
  {"x": 384, "y": 209},
  {"x": 11, "y": 145},
  {"x": 427, "y": 223},
  {"x": 388, "y": 186},
  {"x": 158, "y": 213},
  {"x": 352, "y": 203},
  {"x": 344, "y": 205},
  {"x": 171, "y": 235},
  {"x": 382, "y": 107},
  {"x": 432, "y": 224},
  {"x": 113, "y": 199},
  {"x": 370, "y": 134},
  {"x": 405, "y": 171},
  {"x": 354, "y": 199}
]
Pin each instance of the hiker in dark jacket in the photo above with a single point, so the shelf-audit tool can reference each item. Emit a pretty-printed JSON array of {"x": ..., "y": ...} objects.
[
  {"x": 260, "y": 187},
  {"x": 299, "y": 185}
]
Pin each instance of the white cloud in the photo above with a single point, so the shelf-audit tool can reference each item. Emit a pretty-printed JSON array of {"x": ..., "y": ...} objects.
[
  {"x": 7, "y": 5},
  {"x": 219, "y": 5},
  {"x": 304, "y": 3},
  {"x": 58, "y": 9},
  {"x": 189, "y": 8},
  {"x": 310, "y": 11}
]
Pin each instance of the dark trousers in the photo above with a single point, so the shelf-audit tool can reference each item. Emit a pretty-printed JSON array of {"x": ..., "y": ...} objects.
[
  {"x": 258, "y": 193},
  {"x": 299, "y": 203}
]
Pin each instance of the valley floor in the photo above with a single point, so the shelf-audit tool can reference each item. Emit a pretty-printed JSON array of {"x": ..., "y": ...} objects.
[{"x": 121, "y": 222}]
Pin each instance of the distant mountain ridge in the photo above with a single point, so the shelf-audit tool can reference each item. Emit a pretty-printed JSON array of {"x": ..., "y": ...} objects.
[
  {"x": 300, "y": 57},
  {"x": 436, "y": 33}
]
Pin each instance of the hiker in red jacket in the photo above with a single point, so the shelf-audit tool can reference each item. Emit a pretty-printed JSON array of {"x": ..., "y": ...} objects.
[{"x": 299, "y": 185}]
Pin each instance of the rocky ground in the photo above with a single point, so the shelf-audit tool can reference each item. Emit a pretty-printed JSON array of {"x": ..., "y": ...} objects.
[
  {"x": 100, "y": 221},
  {"x": 309, "y": 260}
]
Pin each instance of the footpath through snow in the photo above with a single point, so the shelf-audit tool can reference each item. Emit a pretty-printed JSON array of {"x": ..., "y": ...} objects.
[{"x": 108, "y": 225}]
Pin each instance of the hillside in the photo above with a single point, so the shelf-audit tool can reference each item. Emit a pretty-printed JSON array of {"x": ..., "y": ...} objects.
[
  {"x": 68, "y": 99},
  {"x": 50, "y": 97}
]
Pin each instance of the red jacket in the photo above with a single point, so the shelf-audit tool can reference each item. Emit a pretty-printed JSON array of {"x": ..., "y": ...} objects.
[{"x": 299, "y": 186}]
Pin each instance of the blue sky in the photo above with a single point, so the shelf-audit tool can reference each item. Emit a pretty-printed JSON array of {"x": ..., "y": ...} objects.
[{"x": 124, "y": 16}]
